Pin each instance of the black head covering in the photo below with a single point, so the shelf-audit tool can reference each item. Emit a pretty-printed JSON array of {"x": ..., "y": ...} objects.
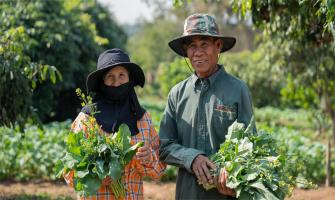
[
  {"x": 112, "y": 113},
  {"x": 110, "y": 59}
]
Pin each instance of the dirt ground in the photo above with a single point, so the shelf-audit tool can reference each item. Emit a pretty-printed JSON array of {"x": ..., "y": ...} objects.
[{"x": 10, "y": 190}]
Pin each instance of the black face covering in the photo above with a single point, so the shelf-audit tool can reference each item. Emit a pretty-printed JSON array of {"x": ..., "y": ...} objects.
[
  {"x": 113, "y": 113},
  {"x": 115, "y": 93}
]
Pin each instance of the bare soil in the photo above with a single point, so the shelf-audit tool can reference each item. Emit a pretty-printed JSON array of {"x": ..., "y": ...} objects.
[
  {"x": 10, "y": 190},
  {"x": 156, "y": 191}
]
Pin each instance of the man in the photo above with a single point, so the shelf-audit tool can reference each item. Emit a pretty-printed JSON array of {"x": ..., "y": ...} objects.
[{"x": 200, "y": 109}]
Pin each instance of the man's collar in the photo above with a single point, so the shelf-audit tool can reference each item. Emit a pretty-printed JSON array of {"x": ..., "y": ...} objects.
[{"x": 196, "y": 80}]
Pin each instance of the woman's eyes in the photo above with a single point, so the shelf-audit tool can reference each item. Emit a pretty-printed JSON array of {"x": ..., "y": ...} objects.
[
  {"x": 108, "y": 76},
  {"x": 112, "y": 76}
]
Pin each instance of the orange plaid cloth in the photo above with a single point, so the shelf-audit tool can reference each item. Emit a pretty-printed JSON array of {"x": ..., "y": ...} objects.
[{"x": 135, "y": 170}]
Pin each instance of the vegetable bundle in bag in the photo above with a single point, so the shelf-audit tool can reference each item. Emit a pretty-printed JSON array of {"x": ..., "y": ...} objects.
[{"x": 256, "y": 167}]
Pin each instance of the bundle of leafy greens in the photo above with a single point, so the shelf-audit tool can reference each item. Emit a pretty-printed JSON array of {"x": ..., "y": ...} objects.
[
  {"x": 257, "y": 169},
  {"x": 94, "y": 155}
]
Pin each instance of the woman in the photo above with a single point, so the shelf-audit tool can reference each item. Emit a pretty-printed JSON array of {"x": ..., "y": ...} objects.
[{"x": 113, "y": 84}]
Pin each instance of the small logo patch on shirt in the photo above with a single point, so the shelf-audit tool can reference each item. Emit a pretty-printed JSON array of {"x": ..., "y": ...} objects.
[{"x": 228, "y": 110}]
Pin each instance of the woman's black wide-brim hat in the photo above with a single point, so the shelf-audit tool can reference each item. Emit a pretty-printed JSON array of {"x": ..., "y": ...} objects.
[{"x": 109, "y": 59}]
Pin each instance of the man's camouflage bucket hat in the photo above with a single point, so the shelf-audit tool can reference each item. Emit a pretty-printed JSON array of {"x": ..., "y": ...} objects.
[{"x": 200, "y": 25}]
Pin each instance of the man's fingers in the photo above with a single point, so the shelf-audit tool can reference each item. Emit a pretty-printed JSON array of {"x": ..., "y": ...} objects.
[
  {"x": 207, "y": 172},
  {"x": 201, "y": 167},
  {"x": 211, "y": 165},
  {"x": 223, "y": 177},
  {"x": 216, "y": 180},
  {"x": 202, "y": 175},
  {"x": 196, "y": 173},
  {"x": 232, "y": 193},
  {"x": 222, "y": 181}
]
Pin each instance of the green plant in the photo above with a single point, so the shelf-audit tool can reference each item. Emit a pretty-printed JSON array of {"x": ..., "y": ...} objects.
[
  {"x": 306, "y": 155},
  {"x": 155, "y": 109},
  {"x": 170, "y": 173},
  {"x": 33, "y": 153},
  {"x": 94, "y": 155},
  {"x": 256, "y": 166},
  {"x": 40, "y": 40},
  {"x": 173, "y": 73},
  {"x": 19, "y": 76}
]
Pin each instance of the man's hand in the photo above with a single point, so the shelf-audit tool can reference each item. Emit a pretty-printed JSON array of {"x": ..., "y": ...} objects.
[
  {"x": 201, "y": 166},
  {"x": 220, "y": 182}
]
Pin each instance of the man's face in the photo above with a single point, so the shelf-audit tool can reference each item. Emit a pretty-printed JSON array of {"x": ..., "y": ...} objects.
[{"x": 203, "y": 53}]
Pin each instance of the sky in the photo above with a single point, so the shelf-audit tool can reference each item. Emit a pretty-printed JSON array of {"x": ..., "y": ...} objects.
[{"x": 128, "y": 11}]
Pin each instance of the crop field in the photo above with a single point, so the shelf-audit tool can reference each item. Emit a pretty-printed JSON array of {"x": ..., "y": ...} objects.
[{"x": 27, "y": 168}]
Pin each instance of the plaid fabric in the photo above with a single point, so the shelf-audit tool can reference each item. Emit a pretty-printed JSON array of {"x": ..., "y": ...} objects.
[{"x": 135, "y": 170}]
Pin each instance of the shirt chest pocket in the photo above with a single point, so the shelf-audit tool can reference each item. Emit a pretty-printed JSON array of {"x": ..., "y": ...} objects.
[{"x": 224, "y": 115}]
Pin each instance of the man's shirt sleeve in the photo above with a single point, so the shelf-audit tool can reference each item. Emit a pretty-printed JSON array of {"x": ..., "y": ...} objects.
[
  {"x": 170, "y": 150},
  {"x": 245, "y": 110}
]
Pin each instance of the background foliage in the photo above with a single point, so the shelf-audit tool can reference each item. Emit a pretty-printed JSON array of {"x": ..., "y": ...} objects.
[
  {"x": 42, "y": 36},
  {"x": 301, "y": 37},
  {"x": 34, "y": 155},
  {"x": 284, "y": 52}
]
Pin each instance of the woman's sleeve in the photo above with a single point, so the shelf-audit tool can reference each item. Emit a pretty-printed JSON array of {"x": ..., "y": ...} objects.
[
  {"x": 76, "y": 126},
  {"x": 154, "y": 168}
]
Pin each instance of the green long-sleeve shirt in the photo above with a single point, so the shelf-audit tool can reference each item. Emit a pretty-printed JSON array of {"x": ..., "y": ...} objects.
[{"x": 196, "y": 120}]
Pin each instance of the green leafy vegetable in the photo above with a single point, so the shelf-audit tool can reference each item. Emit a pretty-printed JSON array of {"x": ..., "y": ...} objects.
[
  {"x": 256, "y": 167},
  {"x": 94, "y": 155}
]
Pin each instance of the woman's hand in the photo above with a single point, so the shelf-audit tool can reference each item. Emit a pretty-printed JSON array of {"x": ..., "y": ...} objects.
[
  {"x": 220, "y": 182},
  {"x": 144, "y": 154},
  {"x": 107, "y": 181}
]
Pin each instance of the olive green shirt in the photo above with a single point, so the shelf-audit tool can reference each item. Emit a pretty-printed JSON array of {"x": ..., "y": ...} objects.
[{"x": 196, "y": 120}]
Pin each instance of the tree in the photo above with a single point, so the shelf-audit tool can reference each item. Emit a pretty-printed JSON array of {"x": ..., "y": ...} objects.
[
  {"x": 172, "y": 73},
  {"x": 68, "y": 35},
  {"x": 148, "y": 47},
  {"x": 261, "y": 77},
  {"x": 305, "y": 31},
  {"x": 304, "y": 34},
  {"x": 19, "y": 76},
  {"x": 103, "y": 33}
]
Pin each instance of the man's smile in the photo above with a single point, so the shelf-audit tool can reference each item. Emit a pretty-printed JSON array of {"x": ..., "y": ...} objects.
[{"x": 199, "y": 61}]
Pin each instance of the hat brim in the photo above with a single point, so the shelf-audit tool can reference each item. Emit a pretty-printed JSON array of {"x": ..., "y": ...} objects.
[
  {"x": 136, "y": 74},
  {"x": 177, "y": 44}
]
